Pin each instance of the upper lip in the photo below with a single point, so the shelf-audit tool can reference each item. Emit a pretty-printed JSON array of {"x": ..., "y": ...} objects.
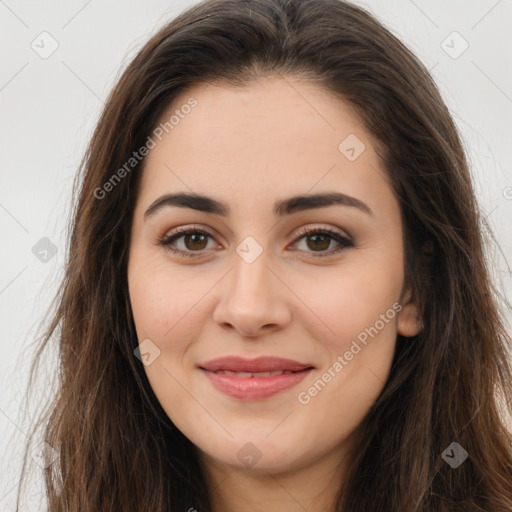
[{"x": 260, "y": 364}]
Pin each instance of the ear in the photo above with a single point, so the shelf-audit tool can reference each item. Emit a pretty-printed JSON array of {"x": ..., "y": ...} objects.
[{"x": 409, "y": 321}]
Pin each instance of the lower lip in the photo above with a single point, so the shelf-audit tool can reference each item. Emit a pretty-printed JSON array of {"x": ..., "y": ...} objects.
[{"x": 255, "y": 388}]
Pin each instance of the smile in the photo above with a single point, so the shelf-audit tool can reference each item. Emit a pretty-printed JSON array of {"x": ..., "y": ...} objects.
[{"x": 257, "y": 385}]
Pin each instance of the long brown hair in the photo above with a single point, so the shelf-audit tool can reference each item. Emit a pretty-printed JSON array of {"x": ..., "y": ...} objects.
[{"x": 116, "y": 448}]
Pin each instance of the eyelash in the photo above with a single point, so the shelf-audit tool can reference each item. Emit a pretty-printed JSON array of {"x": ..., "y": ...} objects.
[{"x": 344, "y": 242}]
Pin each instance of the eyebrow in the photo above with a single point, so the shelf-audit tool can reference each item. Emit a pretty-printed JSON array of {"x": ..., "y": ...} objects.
[{"x": 281, "y": 207}]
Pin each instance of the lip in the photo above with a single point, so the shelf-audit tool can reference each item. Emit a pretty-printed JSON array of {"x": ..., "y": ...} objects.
[
  {"x": 260, "y": 364},
  {"x": 254, "y": 387}
]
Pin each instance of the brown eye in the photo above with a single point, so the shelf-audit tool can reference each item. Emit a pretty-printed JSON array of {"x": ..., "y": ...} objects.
[
  {"x": 194, "y": 241},
  {"x": 319, "y": 241}
]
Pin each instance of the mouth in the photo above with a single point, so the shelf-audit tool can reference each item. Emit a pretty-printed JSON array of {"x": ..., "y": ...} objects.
[
  {"x": 245, "y": 375},
  {"x": 254, "y": 379},
  {"x": 261, "y": 364}
]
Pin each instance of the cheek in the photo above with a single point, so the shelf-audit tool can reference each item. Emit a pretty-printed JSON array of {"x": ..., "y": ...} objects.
[
  {"x": 162, "y": 299},
  {"x": 358, "y": 307},
  {"x": 361, "y": 314},
  {"x": 349, "y": 298},
  {"x": 166, "y": 309}
]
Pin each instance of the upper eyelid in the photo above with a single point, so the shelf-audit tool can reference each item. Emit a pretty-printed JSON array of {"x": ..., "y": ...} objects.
[
  {"x": 305, "y": 229},
  {"x": 183, "y": 230}
]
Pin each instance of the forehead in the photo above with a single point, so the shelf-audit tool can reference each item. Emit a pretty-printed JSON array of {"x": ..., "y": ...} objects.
[{"x": 275, "y": 136}]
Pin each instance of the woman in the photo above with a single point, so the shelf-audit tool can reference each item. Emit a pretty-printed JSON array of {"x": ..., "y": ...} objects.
[{"x": 276, "y": 296}]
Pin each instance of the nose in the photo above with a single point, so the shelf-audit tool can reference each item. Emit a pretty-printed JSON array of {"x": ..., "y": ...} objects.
[{"x": 252, "y": 299}]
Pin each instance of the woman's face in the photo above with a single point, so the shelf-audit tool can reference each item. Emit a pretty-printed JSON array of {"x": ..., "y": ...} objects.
[{"x": 251, "y": 283}]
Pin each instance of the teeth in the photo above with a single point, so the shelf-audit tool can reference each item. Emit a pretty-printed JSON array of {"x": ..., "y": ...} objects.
[{"x": 254, "y": 374}]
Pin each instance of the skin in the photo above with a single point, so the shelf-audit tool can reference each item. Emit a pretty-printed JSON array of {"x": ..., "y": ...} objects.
[{"x": 249, "y": 147}]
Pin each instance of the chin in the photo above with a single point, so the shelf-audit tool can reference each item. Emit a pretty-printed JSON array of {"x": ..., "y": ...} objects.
[{"x": 258, "y": 455}]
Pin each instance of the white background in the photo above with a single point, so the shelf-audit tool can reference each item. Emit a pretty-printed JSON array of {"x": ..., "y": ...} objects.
[{"x": 48, "y": 108}]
